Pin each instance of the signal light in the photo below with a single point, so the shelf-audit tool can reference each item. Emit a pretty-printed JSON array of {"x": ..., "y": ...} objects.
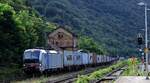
[{"x": 140, "y": 41}]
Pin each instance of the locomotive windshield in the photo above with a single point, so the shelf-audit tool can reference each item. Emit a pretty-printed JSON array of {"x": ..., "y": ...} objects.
[{"x": 31, "y": 56}]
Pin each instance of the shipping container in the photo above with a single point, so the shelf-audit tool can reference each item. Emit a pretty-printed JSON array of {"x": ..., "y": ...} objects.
[
  {"x": 94, "y": 57},
  {"x": 107, "y": 58},
  {"x": 90, "y": 58},
  {"x": 114, "y": 58},
  {"x": 55, "y": 60},
  {"x": 52, "y": 60},
  {"x": 110, "y": 58},
  {"x": 77, "y": 58},
  {"x": 99, "y": 58},
  {"x": 104, "y": 58},
  {"x": 85, "y": 58},
  {"x": 68, "y": 58}
]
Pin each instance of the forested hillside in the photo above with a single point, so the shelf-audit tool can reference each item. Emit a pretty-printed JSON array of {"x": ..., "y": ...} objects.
[
  {"x": 20, "y": 28},
  {"x": 112, "y": 23}
]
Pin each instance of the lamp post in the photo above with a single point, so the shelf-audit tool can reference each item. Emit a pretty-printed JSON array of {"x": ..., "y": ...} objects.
[{"x": 146, "y": 37}]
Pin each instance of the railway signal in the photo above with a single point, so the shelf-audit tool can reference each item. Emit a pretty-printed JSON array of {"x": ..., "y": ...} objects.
[
  {"x": 146, "y": 34},
  {"x": 140, "y": 39}
]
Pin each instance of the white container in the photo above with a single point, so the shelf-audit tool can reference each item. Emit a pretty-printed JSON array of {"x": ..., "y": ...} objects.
[
  {"x": 90, "y": 58},
  {"x": 99, "y": 58}
]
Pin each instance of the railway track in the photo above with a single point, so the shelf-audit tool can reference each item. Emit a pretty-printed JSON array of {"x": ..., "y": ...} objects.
[
  {"x": 111, "y": 77},
  {"x": 61, "y": 77},
  {"x": 55, "y": 77},
  {"x": 70, "y": 78}
]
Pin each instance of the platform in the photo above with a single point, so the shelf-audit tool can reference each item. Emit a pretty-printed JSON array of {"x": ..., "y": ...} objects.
[{"x": 132, "y": 79}]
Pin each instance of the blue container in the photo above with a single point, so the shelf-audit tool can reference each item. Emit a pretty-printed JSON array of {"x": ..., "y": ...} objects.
[
  {"x": 68, "y": 58},
  {"x": 77, "y": 58},
  {"x": 52, "y": 60},
  {"x": 85, "y": 58},
  {"x": 108, "y": 58},
  {"x": 55, "y": 60}
]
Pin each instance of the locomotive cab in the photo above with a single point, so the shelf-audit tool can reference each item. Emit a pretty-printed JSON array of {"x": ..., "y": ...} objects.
[{"x": 32, "y": 60}]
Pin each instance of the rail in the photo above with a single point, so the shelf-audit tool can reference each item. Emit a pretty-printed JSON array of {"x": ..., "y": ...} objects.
[{"x": 110, "y": 77}]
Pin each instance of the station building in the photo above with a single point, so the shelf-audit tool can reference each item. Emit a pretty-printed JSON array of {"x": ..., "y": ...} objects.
[{"x": 62, "y": 39}]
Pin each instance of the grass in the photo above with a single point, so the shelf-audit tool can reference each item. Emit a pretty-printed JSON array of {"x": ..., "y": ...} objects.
[
  {"x": 133, "y": 69},
  {"x": 41, "y": 79},
  {"x": 99, "y": 73}
]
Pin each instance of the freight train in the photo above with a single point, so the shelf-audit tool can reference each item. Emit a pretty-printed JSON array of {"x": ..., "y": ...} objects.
[{"x": 40, "y": 60}]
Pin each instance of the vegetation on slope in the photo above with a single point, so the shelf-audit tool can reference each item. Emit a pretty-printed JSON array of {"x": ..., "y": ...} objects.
[
  {"x": 21, "y": 28},
  {"x": 88, "y": 44},
  {"x": 114, "y": 23}
]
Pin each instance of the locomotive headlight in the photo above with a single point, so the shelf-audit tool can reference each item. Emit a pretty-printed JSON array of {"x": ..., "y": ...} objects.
[
  {"x": 40, "y": 65},
  {"x": 24, "y": 65}
]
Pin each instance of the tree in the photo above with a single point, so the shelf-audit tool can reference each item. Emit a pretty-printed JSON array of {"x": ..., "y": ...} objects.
[
  {"x": 87, "y": 43},
  {"x": 19, "y": 30}
]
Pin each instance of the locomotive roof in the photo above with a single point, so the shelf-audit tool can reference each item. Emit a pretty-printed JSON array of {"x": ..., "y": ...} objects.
[
  {"x": 36, "y": 50},
  {"x": 42, "y": 50}
]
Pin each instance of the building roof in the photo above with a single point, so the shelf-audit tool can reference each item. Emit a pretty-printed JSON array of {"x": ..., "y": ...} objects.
[{"x": 63, "y": 27}]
